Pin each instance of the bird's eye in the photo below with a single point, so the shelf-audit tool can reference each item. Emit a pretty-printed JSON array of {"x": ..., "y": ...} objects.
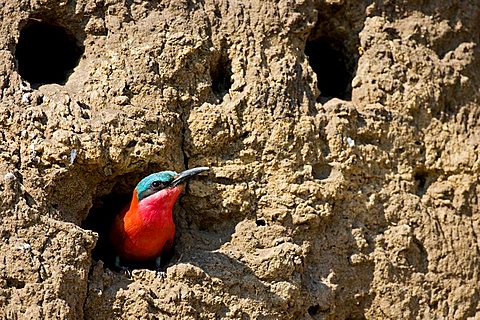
[{"x": 157, "y": 184}]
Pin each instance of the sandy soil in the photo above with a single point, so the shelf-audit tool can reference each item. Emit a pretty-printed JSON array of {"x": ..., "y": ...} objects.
[{"x": 343, "y": 139}]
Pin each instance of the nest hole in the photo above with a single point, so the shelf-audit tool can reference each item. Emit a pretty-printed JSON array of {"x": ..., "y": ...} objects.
[
  {"x": 221, "y": 75},
  {"x": 333, "y": 65},
  {"x": 423, "y": 179},
  {"x": 101, "y": 217},
  {"x": 421, "y": 182},
  {"x": 313, "y": 310},
  {"x": 100, "y": 220},
  {"x": 260, "y": 222},
  {"x": 46, "y": 53}
]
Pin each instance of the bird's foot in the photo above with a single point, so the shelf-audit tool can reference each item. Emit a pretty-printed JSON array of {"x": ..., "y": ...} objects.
[
  {"x": 159, "y": 272},
  {"x": 125, "y": 270}
]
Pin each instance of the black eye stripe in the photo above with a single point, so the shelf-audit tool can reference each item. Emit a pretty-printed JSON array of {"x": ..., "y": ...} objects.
[{"x": 157, "y": 185}]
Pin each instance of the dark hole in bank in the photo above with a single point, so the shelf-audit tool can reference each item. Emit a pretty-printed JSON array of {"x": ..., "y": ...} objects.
[
  {"x": 333, "y": 65},
  {"x": 260, "y": 222},
  {"x": 46, "y": 53},
  {"x": 313, "y": 310},
  {"x": 101, "y": 218},
  {"x": 221, "y": 75},
  {"x": 421, "y": 182}
]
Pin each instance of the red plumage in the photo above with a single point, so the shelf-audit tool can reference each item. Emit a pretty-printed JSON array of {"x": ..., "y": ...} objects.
[{"x": 145, "y": 229}]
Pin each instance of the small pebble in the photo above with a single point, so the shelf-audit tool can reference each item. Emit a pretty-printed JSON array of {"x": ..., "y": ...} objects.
[{"x": 350, "y": 142}]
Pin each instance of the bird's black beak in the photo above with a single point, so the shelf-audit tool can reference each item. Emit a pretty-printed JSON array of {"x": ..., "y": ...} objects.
[{"x": 187, "y": 174}]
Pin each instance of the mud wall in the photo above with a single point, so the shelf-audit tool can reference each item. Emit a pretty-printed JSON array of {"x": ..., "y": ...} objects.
[{"x": 342, "y": 136}]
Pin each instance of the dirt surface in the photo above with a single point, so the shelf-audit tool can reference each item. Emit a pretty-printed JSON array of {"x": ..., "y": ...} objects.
[{"x": 343, "y": 185}]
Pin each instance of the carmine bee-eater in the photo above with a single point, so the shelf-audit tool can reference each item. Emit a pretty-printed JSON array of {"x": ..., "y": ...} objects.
[{"x": 145, "y": 228}]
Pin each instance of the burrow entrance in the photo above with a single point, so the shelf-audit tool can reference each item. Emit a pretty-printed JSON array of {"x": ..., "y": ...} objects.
[
  {"x": 332, "y": 48},
  {"x": 101, "y": 217},
  {"x": 334, "y": 65},
  {"x": 46, "y": 53},
  {"x": 221, "y": 75}
]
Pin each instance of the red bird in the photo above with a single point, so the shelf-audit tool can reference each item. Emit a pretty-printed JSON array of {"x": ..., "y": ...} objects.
[{"x": 145, "y": 229}]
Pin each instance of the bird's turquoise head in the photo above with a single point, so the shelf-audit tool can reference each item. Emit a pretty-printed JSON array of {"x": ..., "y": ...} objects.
[{"x": 165, "y": 179}]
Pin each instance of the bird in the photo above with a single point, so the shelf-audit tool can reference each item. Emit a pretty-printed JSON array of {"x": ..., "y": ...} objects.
[{"x": 145, "y": 229}]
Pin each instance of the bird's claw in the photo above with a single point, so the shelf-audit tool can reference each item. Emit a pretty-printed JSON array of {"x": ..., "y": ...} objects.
[
  {"x": 161, "y": 274},
  {"x": 126, "y": 271}
]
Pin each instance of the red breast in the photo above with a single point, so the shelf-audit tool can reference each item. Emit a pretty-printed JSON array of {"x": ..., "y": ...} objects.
[{"x": 141, "y": 232}]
